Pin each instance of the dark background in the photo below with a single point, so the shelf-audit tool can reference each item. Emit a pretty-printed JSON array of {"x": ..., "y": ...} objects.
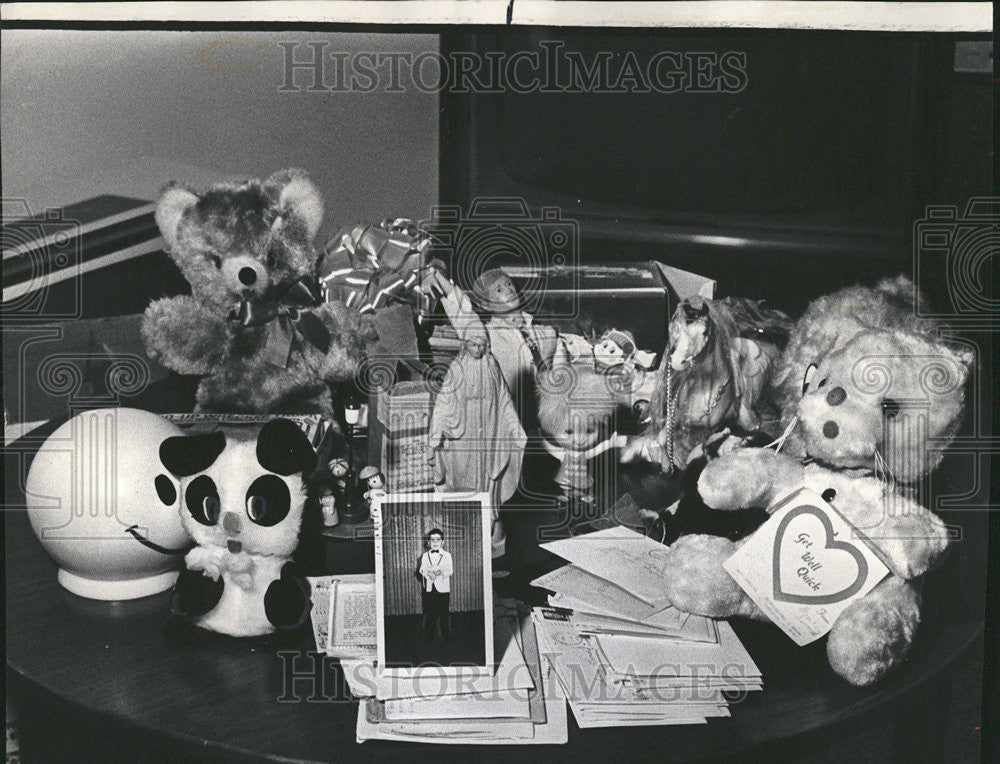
[{"x": 810, "y": 178}]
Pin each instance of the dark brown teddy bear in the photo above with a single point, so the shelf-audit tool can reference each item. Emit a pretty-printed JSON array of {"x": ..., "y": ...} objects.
[{"x": 253, "y": 326}]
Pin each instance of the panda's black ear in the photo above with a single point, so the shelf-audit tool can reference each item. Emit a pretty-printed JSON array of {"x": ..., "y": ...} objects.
[
  {"x": 283, "y": 448},
  {"x": 187, "y": 454}
]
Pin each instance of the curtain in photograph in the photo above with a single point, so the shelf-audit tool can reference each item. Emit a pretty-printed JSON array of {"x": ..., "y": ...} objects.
[{"x": 404, "y": 531}]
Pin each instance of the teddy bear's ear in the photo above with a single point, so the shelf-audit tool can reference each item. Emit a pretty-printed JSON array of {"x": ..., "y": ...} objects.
[
  {"x": 299, "y": 198},
  {"x": 965, "y": 355},
  {"x": 283, "y": 448},
  {"x": 185, "y": 455},
  {"x": 170, "y": 209}
]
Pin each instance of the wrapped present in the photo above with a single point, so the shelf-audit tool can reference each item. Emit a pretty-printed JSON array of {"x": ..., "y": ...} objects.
[{"x": 369, "y": 267}]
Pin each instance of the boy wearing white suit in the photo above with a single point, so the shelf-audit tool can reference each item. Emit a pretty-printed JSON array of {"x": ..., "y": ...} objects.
[{"x": 436, "y": 570}]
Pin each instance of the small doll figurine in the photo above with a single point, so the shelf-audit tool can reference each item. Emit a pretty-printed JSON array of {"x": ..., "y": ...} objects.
[
  {"x": 328, "y": 504},
  {"x": 521, "y": 347},
  {"x": 614, "y": 348},
  {"x": 618, "y": 358},
  {"x": 374, "y": 480},
  {"x": 575, "y": 424},
  {"x": 350, "y": 508}
]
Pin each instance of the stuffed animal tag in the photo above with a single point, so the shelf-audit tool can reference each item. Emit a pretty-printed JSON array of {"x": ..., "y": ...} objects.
[{"x": 805, "y": 565}]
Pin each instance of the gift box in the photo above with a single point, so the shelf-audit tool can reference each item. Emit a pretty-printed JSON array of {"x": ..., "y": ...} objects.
[{"x": 400, "y": 404}]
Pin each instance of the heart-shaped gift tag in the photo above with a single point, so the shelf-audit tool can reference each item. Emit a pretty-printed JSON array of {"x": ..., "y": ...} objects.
[
  {"x": 811, "y": 567},
  {"x": 805, "y": 566}
]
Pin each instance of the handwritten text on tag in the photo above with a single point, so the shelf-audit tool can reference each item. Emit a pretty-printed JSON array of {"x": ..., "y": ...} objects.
[{"x": 805, "y": 566}]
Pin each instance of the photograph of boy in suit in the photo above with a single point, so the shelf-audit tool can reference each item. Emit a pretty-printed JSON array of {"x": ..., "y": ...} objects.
[{"x": 436, "y": 570}]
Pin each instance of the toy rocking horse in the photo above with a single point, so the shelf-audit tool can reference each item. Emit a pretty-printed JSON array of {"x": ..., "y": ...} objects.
[{"x": 713, "y": 373}]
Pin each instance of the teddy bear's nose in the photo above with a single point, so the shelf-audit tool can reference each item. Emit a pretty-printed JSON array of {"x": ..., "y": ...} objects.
[
  {"x": 836, "y": 396},
  {"x": 831, "y": 430},
  {"x": 248, "y": 276}
]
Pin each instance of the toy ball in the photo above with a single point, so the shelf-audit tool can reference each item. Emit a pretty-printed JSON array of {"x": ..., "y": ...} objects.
[{"x": 105, "y": 508}]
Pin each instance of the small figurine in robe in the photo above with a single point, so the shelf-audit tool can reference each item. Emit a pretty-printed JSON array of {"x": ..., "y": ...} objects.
[
  {"x": 521, "y": 347},
  {"x": 476, "y": 436}
]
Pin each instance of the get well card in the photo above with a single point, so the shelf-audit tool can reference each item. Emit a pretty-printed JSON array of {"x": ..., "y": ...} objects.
[{"x": 805, "y": 566}]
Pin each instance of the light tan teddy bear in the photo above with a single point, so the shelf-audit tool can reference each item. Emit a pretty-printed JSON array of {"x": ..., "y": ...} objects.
[{"x": 871, "y": 396}]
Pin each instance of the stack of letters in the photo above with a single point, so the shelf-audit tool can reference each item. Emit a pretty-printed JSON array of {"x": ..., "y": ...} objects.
[
  {"x": 622, "y": 654},
  {"x": 519, "y": 702}
]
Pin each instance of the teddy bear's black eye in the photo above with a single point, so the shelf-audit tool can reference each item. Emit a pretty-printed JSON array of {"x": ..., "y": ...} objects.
[
  {"x": 807, "y": 378},
  {"x": 890, "y": 408},
  {"x": 822, "y": 382},
  {"x": 215, "y": 260},
  {"x": 268, "y": 500}
]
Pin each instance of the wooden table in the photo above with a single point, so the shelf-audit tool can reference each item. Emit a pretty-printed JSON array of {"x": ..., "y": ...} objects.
[{"x": 111, "y": 680}]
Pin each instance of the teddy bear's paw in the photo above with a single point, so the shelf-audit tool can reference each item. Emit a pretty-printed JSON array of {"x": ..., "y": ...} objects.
[
  {"x": 286, "y": 602},
  {"x": 728, "y": 484},
  {"x": 875, "y": 633},
  {"x": 913, "y": 544},
  {"x": 195, "y": 594},
  {"x": 182, "y": 334},
  {"x": 696, "y": 582},
  {"x": 747, "y": 477},
  {"x": 912, "y": 539}
]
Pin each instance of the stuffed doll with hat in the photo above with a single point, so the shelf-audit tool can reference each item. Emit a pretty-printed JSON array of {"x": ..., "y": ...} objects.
[
  {"x": 871, "y": 395},
  {"x": 626, "y": 367},
  {"x": 253, "y": 327}
]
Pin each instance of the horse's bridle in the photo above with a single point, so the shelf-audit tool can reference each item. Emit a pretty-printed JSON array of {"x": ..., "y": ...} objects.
[{"x": 692, "y": 314}]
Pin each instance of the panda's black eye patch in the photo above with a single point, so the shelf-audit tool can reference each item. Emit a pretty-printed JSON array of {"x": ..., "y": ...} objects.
[
  {"x": 268, "y": 500},
  {"x": 165, "y": 489},
  {"x": 202, "y": 500}
]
